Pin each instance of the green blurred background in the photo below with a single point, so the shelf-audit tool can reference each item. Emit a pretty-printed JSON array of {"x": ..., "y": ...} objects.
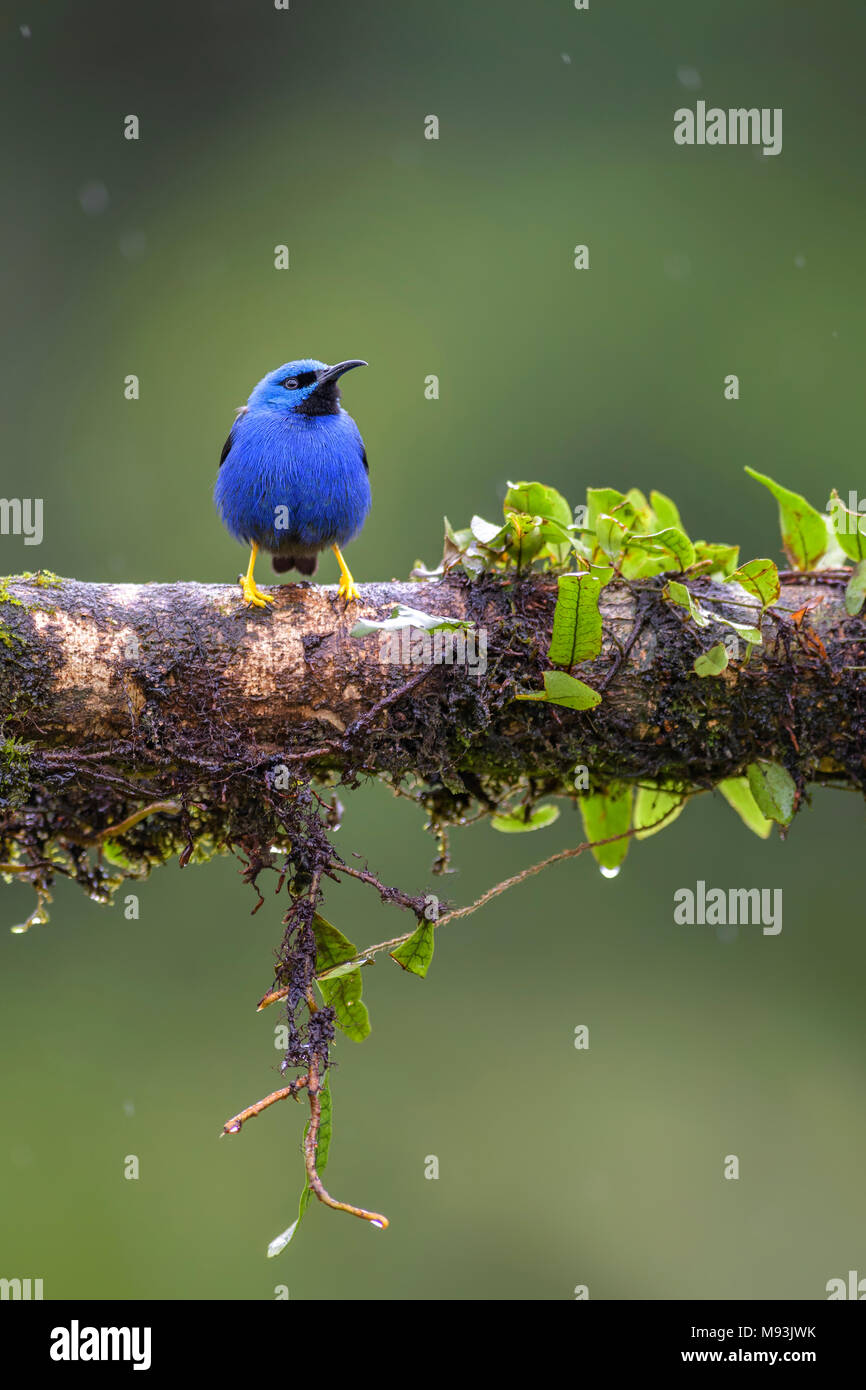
[{"x": 155, "y": 257}]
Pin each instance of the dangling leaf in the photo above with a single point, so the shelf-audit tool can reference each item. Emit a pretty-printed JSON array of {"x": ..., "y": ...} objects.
[
  {"x": 774, "y": 790},
  {"x": 607, "y": 813},
  {"x": 804, "y": 534},
  {"x": 576, "y": 620},
  {"x": 738, "y": 794},
  {"x": 342, "y": 993},
  {"x": 561, "y": 689},
  {"x": 517, "y": 823},
  {"x": 655, "y": 808},
  {"x": 416, "y": 954},
  {"x": 326, "y": 1125}
]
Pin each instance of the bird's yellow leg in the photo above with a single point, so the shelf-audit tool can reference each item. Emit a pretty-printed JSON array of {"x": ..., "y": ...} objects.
[
  {"x": 250, "y": 589},
  {"x": 348, "y": 587}
]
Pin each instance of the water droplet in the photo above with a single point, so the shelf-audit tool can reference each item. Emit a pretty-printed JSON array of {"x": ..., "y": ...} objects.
[
  {"x": 128, "y": 1108},
  {"x": 233, "y": 1129},
  {"x": 800, "y": 261},
  {"x": 610, "y": 873},
  {"x": 93, "y": 198},
  {"x": 20, "y": 929},
  {"x": 689, "y": 77},
  {"x": 380, "y": 1225}
]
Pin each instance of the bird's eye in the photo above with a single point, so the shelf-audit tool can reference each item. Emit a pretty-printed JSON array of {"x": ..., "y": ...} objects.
[{"x": 291, "y": 383}]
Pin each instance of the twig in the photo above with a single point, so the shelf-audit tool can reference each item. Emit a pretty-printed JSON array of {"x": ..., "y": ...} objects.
[
  {"x": 360, "y": 723},
  {"x": 233, "y": 1125},
  {"x": 171, "y": 807},
  {"x": 363, "y": 957},
  {"x": 311, "y": 1140}
]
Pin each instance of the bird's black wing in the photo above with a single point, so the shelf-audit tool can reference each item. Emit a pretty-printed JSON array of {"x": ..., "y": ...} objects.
[
  {"x": 364, "y": 460},
  {"x": 241, "y": 410}
]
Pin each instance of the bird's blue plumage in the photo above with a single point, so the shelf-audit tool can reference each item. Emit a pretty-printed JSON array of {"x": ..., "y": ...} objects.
[{"x": 293, "y": 479}]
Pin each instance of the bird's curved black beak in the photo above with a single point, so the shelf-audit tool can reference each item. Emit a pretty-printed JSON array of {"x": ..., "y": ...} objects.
[{"x": 331, "y": 373}]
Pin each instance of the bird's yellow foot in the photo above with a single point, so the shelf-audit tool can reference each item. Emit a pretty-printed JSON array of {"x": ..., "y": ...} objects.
[
  {"x": 348, "y": 589},
  {"x": 252, "y": 594}
]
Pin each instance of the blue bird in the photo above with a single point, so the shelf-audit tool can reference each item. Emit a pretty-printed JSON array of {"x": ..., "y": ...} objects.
[{"x": 293, "y": 476}]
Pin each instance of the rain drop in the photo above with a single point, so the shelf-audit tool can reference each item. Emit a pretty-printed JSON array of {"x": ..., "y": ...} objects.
[{"x": 610, "y": 873}]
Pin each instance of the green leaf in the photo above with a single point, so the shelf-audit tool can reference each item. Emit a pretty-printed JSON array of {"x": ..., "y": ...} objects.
[
  {"x": 601, "y": 500},
  {"x": 610, "y": 534},
  {"x": 655, "y": 808},
  {"x": 115, "y": 855},
  {"x": 461, "y": 548},
  {"x": 326, "y": 1129},
  {"x": 680, "y": 595},
  {"x": 416, "y": 954},
  {"x": 560, "y": 689},
  {"x": 537, "y": 500},
  {"x": 760, "y": 578},
  {"x": 847, "y": 528},
  {"x": 576, "y": 620},
  {"x": 525, "y": 537},
  {"x": 804, "y": 534},
  {"x": 774, "y": 790},
  {"x": 606, "y": 813},
  {"x": 737, "y": 793},
  {"x": 488, "y": 533},
  {"x": 671, "y": 539},
  {"x": 666, "y": 511},
  {"x": 717, "y": 557},
  {"x": 855, "y": 591},
  {"x": 401, "y": 617},
  {"x": 644, "y": 516},
  {"x": 712, "y": 662},
  {"x": 342, "y": 993},
  {"x": 517, "y": 822}
]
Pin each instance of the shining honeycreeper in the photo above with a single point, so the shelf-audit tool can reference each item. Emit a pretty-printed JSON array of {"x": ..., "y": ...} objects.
[{"x": 293, "y": 476}]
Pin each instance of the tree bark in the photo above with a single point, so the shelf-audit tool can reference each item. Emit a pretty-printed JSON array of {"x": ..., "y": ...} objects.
[{"x": 160, "y": 676}]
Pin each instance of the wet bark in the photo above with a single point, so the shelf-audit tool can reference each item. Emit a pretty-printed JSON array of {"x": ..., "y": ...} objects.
[{"x": 165, "y": 676}]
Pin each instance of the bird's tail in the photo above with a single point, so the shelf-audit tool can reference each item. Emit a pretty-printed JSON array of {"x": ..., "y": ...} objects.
[{"x": 304, "y": 564}]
